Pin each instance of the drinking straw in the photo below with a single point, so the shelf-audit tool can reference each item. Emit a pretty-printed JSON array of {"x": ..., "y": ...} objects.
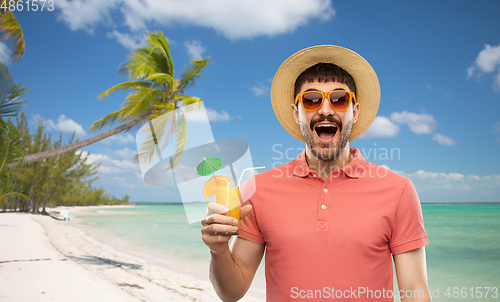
[{"x": 252, "y": 168}]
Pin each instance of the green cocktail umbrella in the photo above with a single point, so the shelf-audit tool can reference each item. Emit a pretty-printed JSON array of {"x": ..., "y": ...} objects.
[{"x": 208, "y": 166}]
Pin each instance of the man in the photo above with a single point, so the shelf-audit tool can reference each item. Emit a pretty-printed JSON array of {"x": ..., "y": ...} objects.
[{"x": 328, "y": 220}]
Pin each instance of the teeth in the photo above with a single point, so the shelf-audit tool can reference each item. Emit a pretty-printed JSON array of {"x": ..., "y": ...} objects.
[{"x": 326, "y": 125}]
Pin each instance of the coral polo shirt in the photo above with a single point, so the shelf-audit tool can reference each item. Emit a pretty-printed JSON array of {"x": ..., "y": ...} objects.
[{"x": 333, "y": 238}]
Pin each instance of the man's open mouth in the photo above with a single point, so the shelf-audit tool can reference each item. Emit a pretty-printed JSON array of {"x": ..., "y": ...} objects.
[{"x": 326, "y": 131}]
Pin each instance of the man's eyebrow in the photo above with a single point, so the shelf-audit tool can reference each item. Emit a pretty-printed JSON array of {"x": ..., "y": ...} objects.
[{"x": 314, "y": 89}]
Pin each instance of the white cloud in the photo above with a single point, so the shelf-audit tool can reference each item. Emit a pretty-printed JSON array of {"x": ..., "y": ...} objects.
[
  {"x": 194, "y": 49},
  {"x": 4, "y": 53},
  {"x": 213, "y": 116},
  {"x": 496, "y": 128},
  {"x": 444, "y": 140},
  {"x": 63, "y": 124},
  {"x": 129, "y": 41},
  {"x": 381, "y": 127},
  {"x": 120, "y": 139},
  {"x": 94, "y": 158},
  {"x": 437, "y": 175},
  {"x": 419, "y": 123},
  {"x": 448, "y": 184},
  {"x": 232, "y": 19},
  {"x": 126, "y": 153},
  {"x": 488, "y": 58},
  {"x": 487, "y": 62},
  {"x": 86, "y": 14},
  {"x": 260, "y": 89},
  {"x": 470, "y": 71},
  {"x": 109, "y": 165}
]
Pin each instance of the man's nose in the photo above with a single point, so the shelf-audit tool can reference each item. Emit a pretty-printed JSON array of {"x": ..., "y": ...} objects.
[{"x": 326, "y": 108}]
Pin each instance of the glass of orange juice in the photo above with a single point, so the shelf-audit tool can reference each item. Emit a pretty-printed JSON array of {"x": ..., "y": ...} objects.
[{"x": 231, "y": 199}]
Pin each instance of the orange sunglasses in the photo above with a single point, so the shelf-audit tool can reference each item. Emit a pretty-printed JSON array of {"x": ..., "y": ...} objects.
[{"x": 313, "y": 100}]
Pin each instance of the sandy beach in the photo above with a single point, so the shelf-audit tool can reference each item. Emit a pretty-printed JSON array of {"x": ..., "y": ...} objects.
[{"x": 43, "y": 259}]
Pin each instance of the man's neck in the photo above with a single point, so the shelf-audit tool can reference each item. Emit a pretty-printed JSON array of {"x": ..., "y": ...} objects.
[{"x": 325, "y": 167}]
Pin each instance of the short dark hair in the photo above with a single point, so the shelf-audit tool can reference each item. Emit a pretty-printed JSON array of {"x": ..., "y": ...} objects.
[{"x": 325, "y": 72}]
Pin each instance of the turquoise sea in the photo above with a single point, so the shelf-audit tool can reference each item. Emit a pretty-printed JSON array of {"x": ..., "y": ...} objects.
[{"x": 463, "y": 255}]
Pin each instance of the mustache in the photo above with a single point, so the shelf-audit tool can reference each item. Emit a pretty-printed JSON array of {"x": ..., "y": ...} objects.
[{"x": 328, "y": 118}]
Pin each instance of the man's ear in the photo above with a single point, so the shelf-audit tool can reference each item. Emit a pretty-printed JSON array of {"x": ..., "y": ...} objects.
[
  {"x": 355, "y": 112},
  {"x": 295, "y": 112}
]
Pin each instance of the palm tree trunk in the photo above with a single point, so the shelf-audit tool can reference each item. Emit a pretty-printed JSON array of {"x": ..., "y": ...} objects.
[
  {"x": 45, "y": 202},
  {"x": 77, "y": 145}
]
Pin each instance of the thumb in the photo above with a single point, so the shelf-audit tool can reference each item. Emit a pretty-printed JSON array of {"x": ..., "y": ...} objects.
[{"x": 244, "y": 211}]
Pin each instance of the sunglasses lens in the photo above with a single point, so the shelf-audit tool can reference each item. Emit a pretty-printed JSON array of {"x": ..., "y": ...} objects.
[
  {"x": 339, "y": 100},
  {"x": 312, "y": 100}
]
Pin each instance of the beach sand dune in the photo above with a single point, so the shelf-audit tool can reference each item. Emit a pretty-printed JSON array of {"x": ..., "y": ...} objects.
[{"x": 42, "y": 259}]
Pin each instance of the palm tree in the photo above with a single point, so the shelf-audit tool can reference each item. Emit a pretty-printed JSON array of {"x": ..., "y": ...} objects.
[
  {"x": 10, "y": 104},
  {"x": 10, "y": 29},
  {"x": 11, "y": 143},
  {"x": 153, "y": 91}
]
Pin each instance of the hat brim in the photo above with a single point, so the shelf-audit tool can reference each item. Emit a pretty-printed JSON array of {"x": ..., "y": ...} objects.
[{"x": 367, "y": 85}]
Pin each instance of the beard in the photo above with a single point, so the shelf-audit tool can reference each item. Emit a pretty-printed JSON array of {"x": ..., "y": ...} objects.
[{"x": 324, "y": 151}]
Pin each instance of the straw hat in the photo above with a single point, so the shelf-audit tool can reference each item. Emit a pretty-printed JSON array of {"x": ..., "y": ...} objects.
[{"x": 367, "y": 85}]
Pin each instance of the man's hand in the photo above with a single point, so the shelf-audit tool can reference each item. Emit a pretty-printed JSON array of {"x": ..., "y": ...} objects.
[{"x": 217, "y": 226}]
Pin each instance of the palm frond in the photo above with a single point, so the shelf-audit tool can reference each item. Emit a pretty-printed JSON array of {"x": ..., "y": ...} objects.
[
  {"x": 5, "y": 82},
  {"x": 160, "y": 53},
  {"x": 109, "y": 119},
  {"x": 140, "y": 101},
  {"x": 161, "y": 78},
  {"x": 191, "y": 73},
  {"x": 190, "y": 103},
  {"x": 11, "y": 144},
  {"x": 124, "y": 86},
  {"x": 10, "y": 109},
  {"x": 138, "y": 66},
  {"x": 162, "y": 126},
  {"x": 10, "y": 94},
  {"x": 14, "y": 193},
  {"x": 168, "y": 128},
  {"x": 162, "y": 64},
  {"x": 12, "y": 30},
  {"x": 149, "y": 59},
  {"x": 180, "y": 138},
  {"x": 162, "y": 108}
]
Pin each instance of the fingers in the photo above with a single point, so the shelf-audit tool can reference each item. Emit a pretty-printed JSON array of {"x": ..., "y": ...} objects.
[
  {"x": 215, "y": 208},
  {"x": 244, "y": 211},
  {"x": 216, "y": 230},
  {"x": 219, "y": 229},
  {"x": 218, "y": 219}
]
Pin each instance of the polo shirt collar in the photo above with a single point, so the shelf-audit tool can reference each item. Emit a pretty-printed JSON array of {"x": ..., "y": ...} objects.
[{"x": 354, "y": 169}]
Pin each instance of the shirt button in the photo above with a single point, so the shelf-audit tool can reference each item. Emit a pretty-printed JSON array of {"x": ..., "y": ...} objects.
[
  {"x": 323, "y": 207},
  {"x": 314, "y": 175},
  {"x": 325, "y": 190}
]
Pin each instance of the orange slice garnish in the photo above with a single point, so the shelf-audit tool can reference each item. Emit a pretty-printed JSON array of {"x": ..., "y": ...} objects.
[{"x": 211, "y": 184}]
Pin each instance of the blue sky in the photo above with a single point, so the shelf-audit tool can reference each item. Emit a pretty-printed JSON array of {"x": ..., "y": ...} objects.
[{"x": 438, "y": 63}]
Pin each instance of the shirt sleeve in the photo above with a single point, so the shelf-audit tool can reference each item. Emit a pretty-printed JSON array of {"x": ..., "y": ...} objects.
[{"x": 408, "y": 232}]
